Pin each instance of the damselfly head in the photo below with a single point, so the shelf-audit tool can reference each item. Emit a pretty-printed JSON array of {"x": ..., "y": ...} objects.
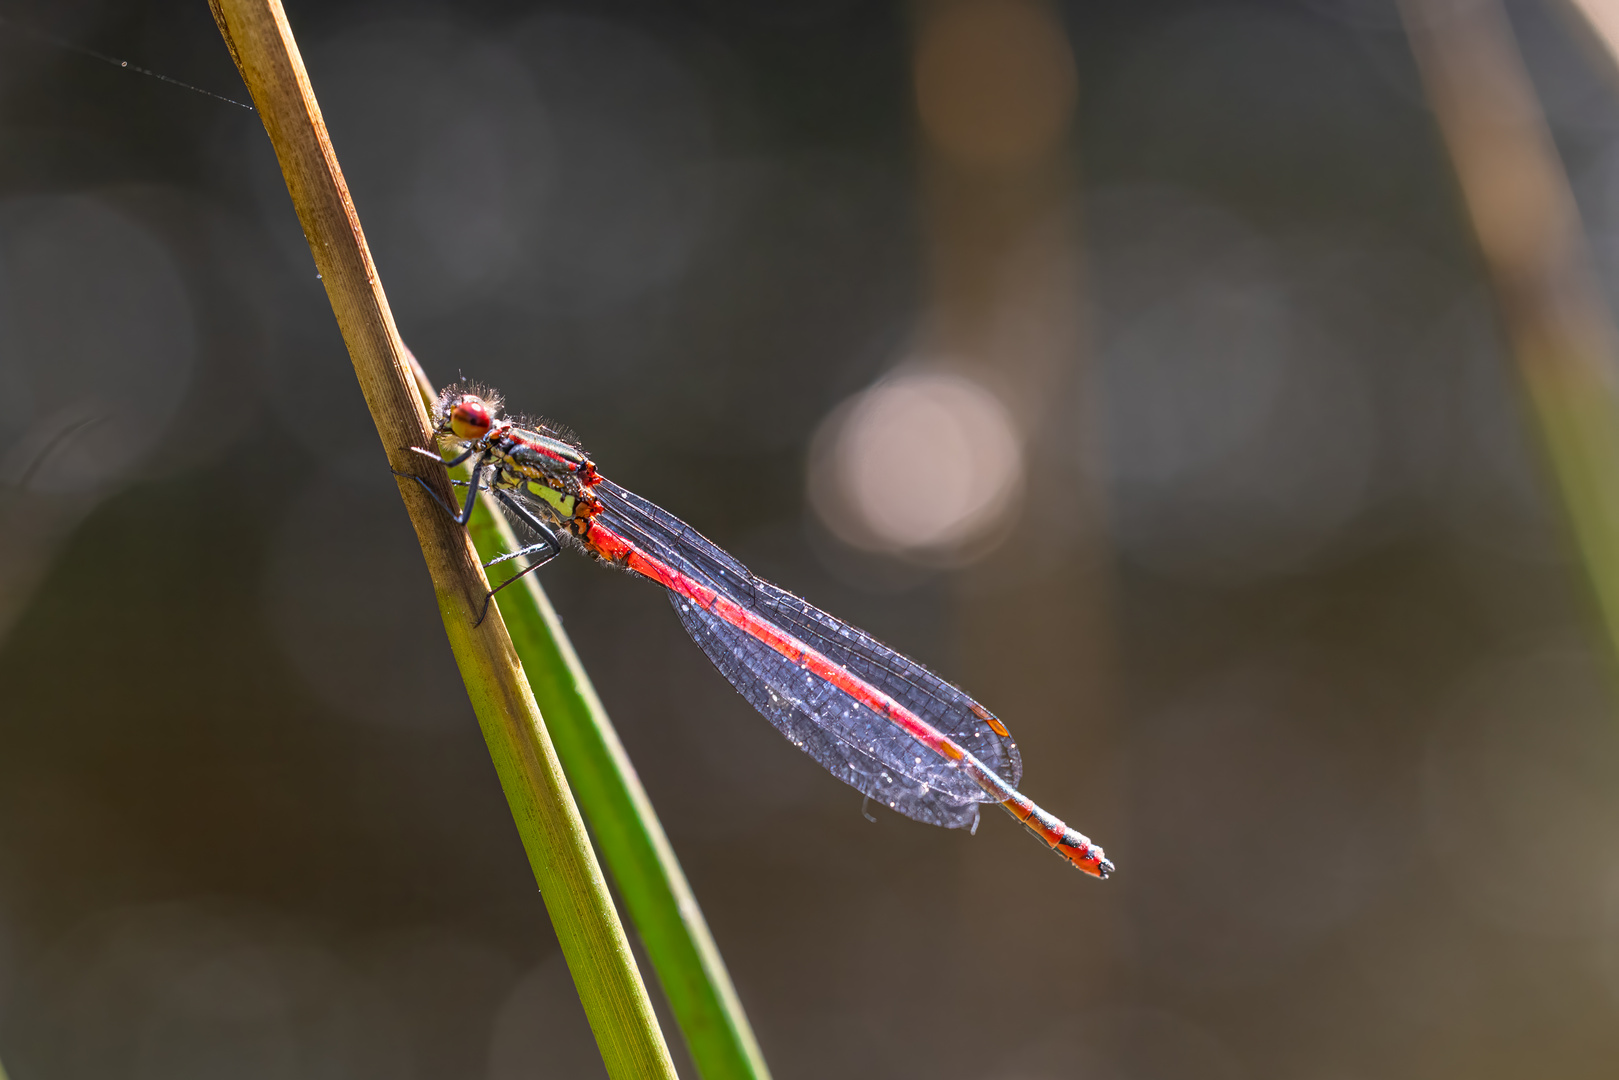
[
  {"x": 466, "y": 411},
  {"x": 470, "y": 418}
]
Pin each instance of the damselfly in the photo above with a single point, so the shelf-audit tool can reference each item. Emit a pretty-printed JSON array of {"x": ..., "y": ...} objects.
[{"x": 881, "y": 723}]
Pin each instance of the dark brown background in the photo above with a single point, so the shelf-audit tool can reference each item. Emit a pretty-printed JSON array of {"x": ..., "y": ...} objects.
[{"x": 1316, "y": 672}]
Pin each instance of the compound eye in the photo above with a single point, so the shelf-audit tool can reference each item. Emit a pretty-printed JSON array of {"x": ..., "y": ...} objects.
[{"x": 470, "y": 419}]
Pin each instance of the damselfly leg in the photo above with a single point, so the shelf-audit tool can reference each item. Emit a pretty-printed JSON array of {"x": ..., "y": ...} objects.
[
  {"x": 464, "y": 515},
  {"x": 549, "y": 543}
]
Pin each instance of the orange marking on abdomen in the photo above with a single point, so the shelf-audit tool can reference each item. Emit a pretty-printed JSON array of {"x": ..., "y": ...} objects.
[
  {"x": 1020, "y": 810},
  {"x": 989, "y": 718}
]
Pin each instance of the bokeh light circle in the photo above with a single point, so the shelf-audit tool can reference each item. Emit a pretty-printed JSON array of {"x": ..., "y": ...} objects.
[{"x": 924, "y": 464}]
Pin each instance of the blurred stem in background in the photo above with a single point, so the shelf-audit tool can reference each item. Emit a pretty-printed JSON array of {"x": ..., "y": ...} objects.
[
  {"x": 1522, "y": 209},
  {"x": 627, "y": 830}
]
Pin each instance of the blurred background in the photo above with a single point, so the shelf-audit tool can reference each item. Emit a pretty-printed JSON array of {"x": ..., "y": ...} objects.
[{"x": 1133, "y": 366}]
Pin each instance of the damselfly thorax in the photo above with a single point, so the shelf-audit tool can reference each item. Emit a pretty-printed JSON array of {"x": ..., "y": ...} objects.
[
  {"x": 552, "y": 470},
  {"x": 556, "y": 475}
]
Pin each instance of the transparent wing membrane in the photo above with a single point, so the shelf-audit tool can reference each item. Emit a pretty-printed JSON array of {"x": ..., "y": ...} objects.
[
  {"x": 832, "y": 727},
  {"x": 855, "y": 742}
]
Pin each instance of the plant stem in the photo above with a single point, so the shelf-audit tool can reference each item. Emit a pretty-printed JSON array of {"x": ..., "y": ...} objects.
[
  {"x": 571, "y": 882},
  {"x": 661, "y": 905}
]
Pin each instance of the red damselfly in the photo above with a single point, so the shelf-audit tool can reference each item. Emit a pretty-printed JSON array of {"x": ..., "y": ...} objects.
[{"x": 881, "y": 723}]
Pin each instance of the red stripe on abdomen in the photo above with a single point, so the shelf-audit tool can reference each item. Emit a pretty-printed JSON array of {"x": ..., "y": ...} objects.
[{"x": 612, "y": 546}]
